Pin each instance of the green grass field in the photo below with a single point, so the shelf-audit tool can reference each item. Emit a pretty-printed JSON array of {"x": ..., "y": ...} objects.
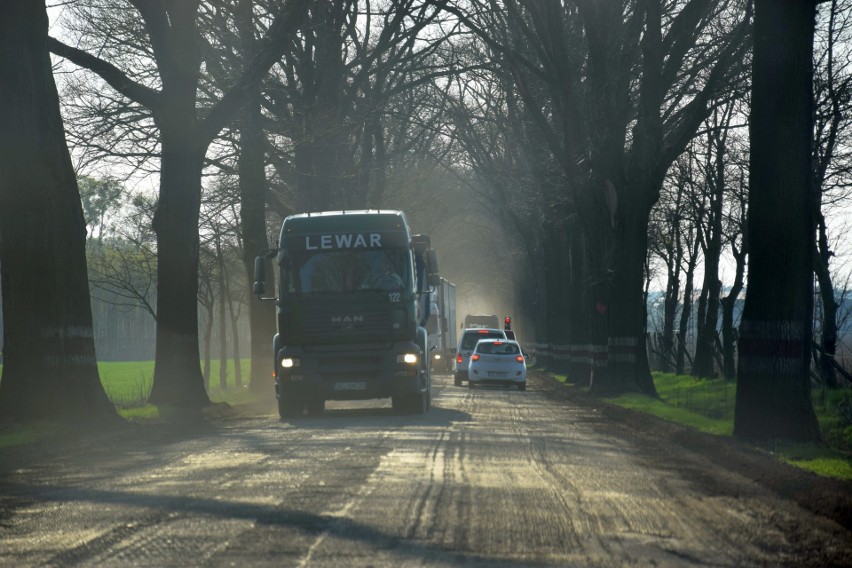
[
  {"x": 128, "y": 383},
  {"x": 708, "y": 405}
]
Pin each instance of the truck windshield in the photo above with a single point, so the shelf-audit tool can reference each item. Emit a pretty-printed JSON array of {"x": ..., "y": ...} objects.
[{"x": 347, "y": 271}]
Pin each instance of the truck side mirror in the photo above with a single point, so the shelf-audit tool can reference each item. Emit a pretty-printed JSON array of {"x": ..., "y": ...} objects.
[
  {"x": 434, "y": 274},
  {"x": 259, "y": 276}
]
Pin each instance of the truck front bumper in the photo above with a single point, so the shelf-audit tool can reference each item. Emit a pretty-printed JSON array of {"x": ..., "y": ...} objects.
[{"x": 351, "y": 372}]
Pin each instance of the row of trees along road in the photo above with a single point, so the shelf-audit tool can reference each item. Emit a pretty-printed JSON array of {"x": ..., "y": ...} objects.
[{"x": 584, "y": 120}]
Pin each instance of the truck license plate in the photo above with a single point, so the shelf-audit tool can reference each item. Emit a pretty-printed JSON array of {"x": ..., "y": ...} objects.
[{"x": 351, "y": 386}]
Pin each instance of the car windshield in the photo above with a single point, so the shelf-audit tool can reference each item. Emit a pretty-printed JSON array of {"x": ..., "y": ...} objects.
[
  {"x": 347, "y": 271},
  {"x": 497, "y": 348},
  {"x": 469, "y": 340}
]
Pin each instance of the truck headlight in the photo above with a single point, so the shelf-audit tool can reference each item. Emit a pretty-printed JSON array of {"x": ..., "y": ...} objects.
[
  {"x": 437, "y": 356},
  {"x": 410, "y": 358},
  {"x": 290, "y": 362}
]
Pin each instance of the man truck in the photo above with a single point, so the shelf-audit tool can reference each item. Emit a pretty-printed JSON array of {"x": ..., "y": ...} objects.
[
  {"x": 442, "y": 325},
  {"x": 352, "y": 304}
]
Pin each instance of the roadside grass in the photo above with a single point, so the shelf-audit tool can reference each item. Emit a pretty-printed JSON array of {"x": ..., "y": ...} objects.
[
  {"x": 127, "y": 385},
  {"x": 708, "y": 405},
  {"x": 27, "y": 433}
]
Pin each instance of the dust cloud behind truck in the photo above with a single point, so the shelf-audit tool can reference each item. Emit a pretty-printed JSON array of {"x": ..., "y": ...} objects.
[{"x": 352, "y": 304}]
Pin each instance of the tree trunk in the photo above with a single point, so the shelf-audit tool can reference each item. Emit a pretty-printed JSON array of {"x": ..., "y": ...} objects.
[
  {"x": 706, "y": 340},
  {"x": 558, "y": 291},
  {"x": 253, "y": 228},
  {"x": 729, "y": 334},
  {"x": 828, "y": 333},
  {"x": 773, "y": 390},
  {"x": 207, "y": 339},
  {"x": 686, "y": 312},
  {"x": 670, "y": 307},
  {"x": 705, "y": 344},
  {"x": 177, "y": 372},
  {"x": 579, "y": 311},
  {"x": 235, "y": 340},
  {"x": 627, "y": 360},
  {"x": 49, "y": 364},
  {"x": 223, "y": 326},
  {"x": 253, "y": 189}
]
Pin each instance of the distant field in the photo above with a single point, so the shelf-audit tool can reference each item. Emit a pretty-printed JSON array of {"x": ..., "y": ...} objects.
[{"x": 128, "y": 383}]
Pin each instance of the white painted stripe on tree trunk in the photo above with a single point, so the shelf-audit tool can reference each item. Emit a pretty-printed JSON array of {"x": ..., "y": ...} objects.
[
  {"x": 72, "y": 332},
  {"x": 623, "y": 341},
  {"x": 582, "y": 354},
  {"x": 775, "y": 366},
  {"x": 622, "y": 357},
  {"x": 772, "y": 329},
  {"x": 70, "y": 361},
  {"x": 562, "y": 352}
]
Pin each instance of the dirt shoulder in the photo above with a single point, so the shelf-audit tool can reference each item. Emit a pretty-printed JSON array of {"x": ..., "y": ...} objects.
[{"x": 826, "y": 497}]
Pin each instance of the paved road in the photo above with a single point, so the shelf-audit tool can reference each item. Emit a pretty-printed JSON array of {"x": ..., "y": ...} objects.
[{"x": 488, "y": 477}]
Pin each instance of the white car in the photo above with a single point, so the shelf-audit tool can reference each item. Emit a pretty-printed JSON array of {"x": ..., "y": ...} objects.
[
  {"x": 468, "y": 341},
  {"x": 497, "y": 361}
]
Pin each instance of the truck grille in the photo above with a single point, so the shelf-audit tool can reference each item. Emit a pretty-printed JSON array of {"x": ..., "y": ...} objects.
[{"x": 336, "y": 324}]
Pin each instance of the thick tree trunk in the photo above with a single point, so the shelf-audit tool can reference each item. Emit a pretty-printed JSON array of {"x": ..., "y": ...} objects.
[
  {"x": 253, "y": 189},
  {"x": 579, "y": 311},
  {"x": 558, "y": 292},
  {"x": 177, "y": 373},
  {"x": 627, "y": 361},
  {"x": 773, "y": 390},
  {"x": 49, "y": 365},
  {"x": 253, "y": 227}
]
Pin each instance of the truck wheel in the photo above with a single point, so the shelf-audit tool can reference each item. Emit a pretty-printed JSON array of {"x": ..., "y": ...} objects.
[
  {"x": 315, "y": 407},
  {"x": 419, "y": 404},
  {"x": 398, "y": 404},
  {"x": 288, "y": 408},
  {"x": 457, "y": 381},
  {"x": 410, "y": 404}
]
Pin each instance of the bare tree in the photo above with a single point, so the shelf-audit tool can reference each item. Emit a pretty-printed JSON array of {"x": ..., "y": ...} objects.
[
  {"x": 49, "y": 365},
  {"x": 707, "y": 352},
  {"x": 628, "y": 85},
  {"x": 773, "y": 385},
  {"x": 832, "y": 161},
  {"x": 171, "y": 99}
]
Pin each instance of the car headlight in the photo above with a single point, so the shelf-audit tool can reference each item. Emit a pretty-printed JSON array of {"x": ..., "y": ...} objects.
[
  {"x": 290, "y": 362},
  {"x": 410, "y": 358}
]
